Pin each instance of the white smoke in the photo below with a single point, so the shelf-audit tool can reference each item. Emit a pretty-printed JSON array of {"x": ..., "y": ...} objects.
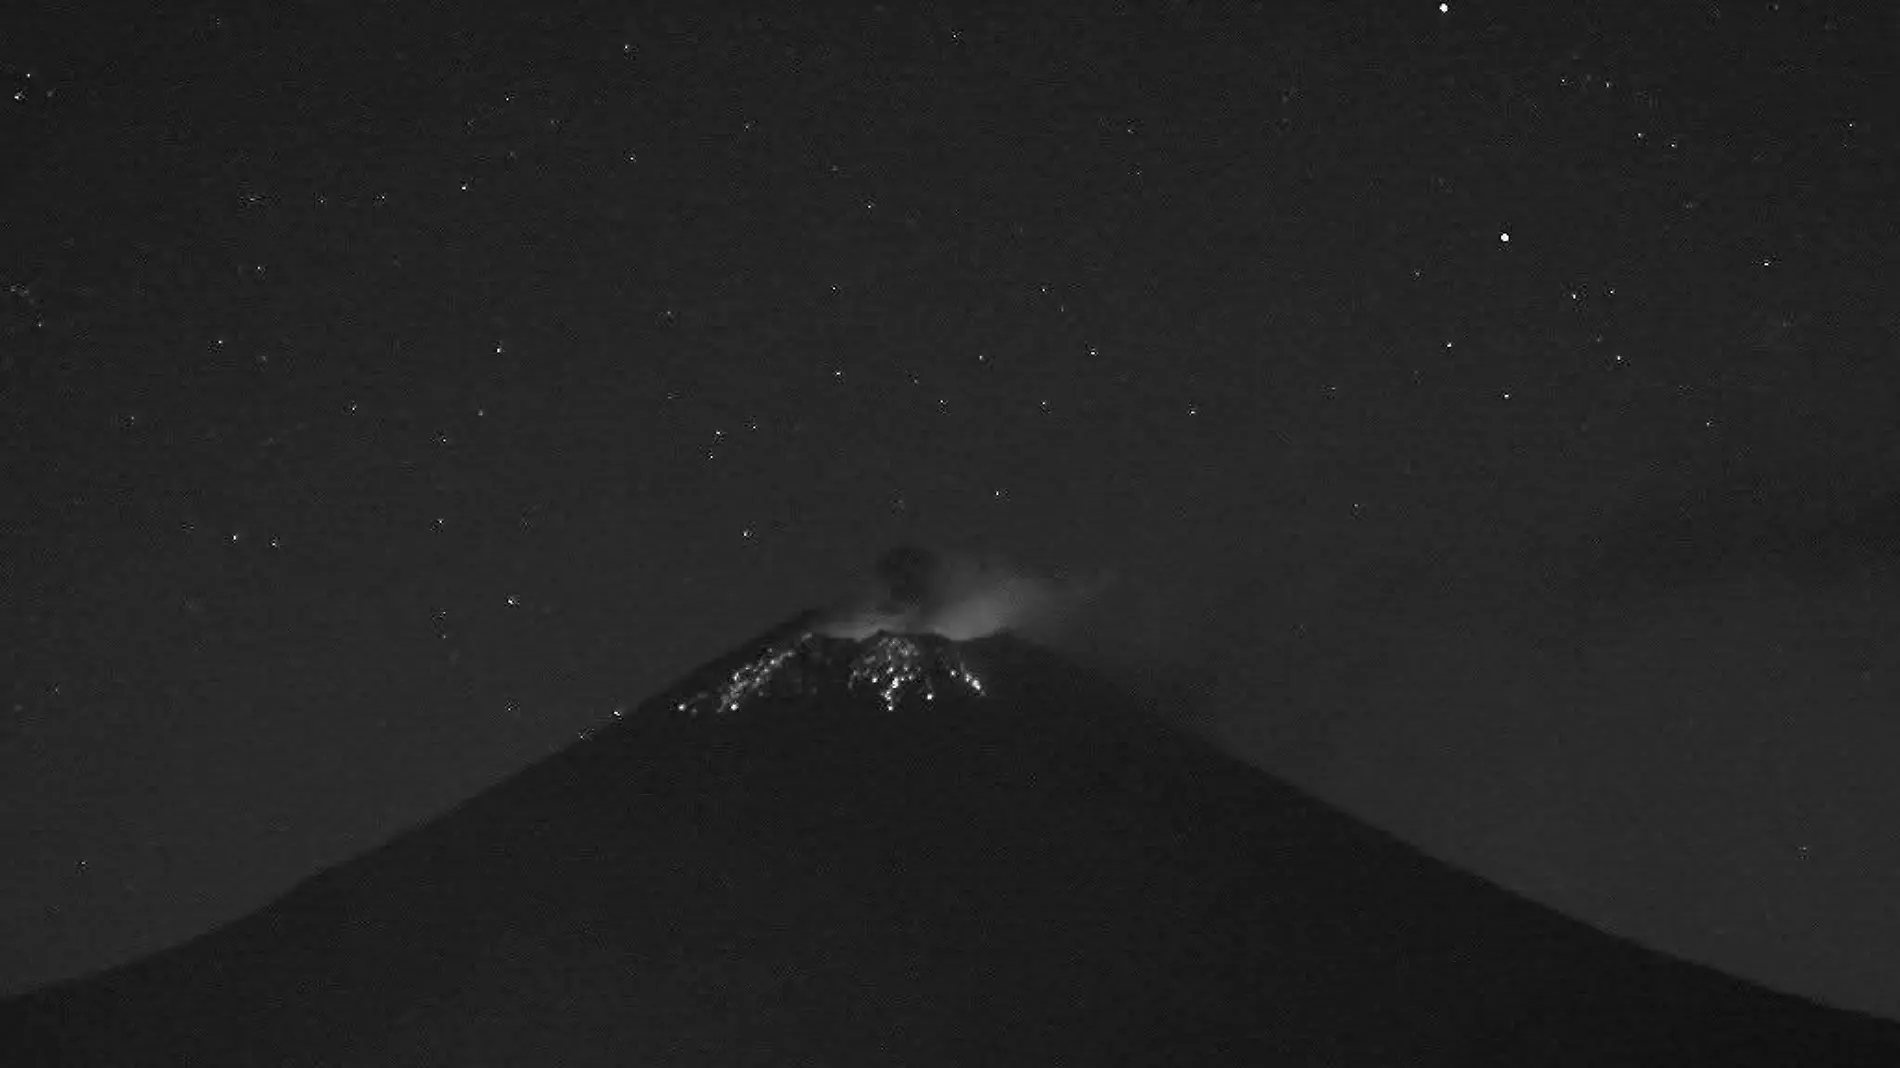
[{"x": 958, "y": 596}]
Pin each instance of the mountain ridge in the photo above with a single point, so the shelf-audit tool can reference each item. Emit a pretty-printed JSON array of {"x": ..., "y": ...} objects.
[{"x": 1036, "y": 872}]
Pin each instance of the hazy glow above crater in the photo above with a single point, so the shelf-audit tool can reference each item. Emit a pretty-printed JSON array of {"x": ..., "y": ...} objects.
[{"x": 959, "y": 598}]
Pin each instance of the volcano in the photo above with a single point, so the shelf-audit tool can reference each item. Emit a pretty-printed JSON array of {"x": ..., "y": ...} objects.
[{"x": 905, "y": 849}]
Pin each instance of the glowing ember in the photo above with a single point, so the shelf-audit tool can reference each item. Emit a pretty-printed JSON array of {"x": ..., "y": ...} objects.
[{"x": 889, "y": 666}]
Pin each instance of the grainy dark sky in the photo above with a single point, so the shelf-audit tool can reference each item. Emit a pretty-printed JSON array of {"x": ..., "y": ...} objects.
[{"x": 1488, "y": 407}]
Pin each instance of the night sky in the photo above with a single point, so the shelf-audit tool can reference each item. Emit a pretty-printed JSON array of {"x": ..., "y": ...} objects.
[{"x": 1486, "y": 411}]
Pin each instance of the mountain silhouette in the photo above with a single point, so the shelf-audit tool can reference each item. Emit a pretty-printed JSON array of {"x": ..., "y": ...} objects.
[{"x": 910, "y": 851}]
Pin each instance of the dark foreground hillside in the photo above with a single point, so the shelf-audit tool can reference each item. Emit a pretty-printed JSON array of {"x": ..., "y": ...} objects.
[{"x": 1037, "y": 875}]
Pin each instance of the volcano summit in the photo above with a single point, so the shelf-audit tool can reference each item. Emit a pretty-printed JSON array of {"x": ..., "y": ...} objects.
[{"x": 901, "y": 848}]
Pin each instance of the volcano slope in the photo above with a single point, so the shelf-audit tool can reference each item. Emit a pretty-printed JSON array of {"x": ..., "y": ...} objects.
[{"x": 804, "y": 855}]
